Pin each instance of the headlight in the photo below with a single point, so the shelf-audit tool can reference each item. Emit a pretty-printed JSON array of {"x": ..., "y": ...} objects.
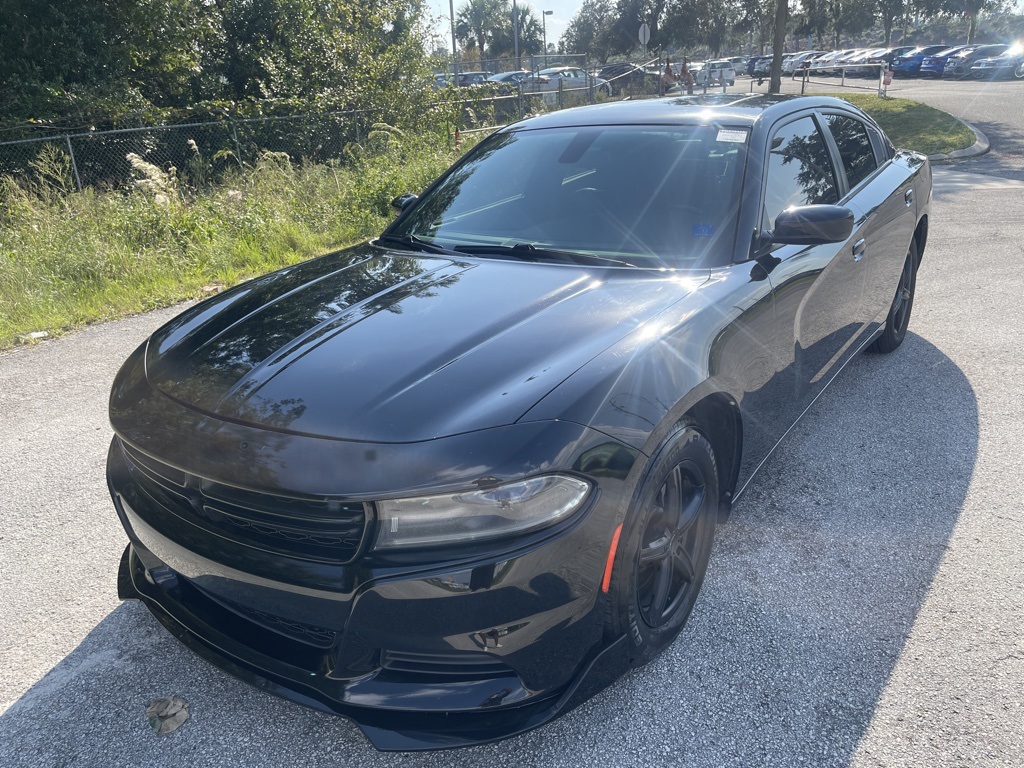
[{"x": 473, "y": 516}]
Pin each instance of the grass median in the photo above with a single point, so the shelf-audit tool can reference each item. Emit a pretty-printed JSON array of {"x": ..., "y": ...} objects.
[
  {"x": 912, "y": 125},
  {"x": 69, "y": 258}
]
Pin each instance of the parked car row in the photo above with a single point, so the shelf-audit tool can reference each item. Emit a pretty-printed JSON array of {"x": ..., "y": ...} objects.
[
  {"x": 980, "y": 61},
  {"x": 550, "y": 79}
]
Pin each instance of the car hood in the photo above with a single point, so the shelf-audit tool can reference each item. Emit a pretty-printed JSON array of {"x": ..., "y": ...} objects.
[{"x": 367, "y": 344}]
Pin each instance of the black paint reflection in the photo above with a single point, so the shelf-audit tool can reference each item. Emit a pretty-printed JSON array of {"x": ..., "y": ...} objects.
[
  {"x": 217, "y": 366},
  {"x": 799, "y": 170}
]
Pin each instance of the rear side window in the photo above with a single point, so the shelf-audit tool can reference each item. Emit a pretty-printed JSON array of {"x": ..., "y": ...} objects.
[
  {"x": 855, "y": 148},
  {"x": 799, "y": 170}
]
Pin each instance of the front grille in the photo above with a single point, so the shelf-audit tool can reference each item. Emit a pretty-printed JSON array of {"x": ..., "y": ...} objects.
[
  {"x": 465, "y": 665},
  {"x": 311, "y": 527}
]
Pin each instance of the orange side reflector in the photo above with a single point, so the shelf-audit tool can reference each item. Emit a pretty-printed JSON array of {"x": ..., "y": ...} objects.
[{"x": 611, "y": 559}]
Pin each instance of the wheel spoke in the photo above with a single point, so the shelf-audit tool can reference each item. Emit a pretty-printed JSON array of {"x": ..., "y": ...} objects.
[
  {"x": 691, "y": 507},
  {"x": 656, "y": 550},
  {"x": 673, "y": 494},
  {"x": 660, "y": 600},
  {"x": 684, "y": 560}
]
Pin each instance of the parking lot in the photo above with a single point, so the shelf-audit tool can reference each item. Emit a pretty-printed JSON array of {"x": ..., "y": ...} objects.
[{"x": 863, "y": 605}]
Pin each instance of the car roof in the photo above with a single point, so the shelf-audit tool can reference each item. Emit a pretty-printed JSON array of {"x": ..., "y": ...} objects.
[{"x": 724, "y": 108}]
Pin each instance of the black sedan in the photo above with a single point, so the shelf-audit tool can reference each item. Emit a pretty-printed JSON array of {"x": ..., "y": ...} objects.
[
  {"x": 1010, "y": 63},
  {"x": 451, "y": 482}
]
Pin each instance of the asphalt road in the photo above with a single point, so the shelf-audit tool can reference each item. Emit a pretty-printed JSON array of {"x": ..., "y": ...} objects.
[{"x": 863, "y": 607}]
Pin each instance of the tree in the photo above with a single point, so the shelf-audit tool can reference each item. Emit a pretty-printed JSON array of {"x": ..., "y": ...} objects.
[
  {"x": 105, "y": 58},
  {"x": 698, "y": 23},
  {"x": 587, "y": 31},
  {"x": 477, "y": 20},
  {"x": 531, "y": 33},
  {"x": 621, "y": 35},
  {"x": 970, "y": 10},
  {"x": 889, "y": 11}
]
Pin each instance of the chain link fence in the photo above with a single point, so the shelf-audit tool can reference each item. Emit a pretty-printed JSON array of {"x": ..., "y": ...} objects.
[
  {"x": 197, "y": 151},
  {"x": 201, "y": 152}
]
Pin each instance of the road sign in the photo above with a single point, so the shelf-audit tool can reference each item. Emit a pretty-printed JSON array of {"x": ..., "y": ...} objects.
[{"x": 645, "y": 34}]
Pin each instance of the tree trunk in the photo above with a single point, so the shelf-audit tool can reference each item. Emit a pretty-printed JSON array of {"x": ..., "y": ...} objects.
[
  {"x": 778, "y": 44},
  {"x": 972, "y": 30},
  {"x": 888, "y": 31}
]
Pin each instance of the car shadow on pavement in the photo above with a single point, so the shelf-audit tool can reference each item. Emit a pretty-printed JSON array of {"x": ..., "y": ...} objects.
[{"x": 815, "y": 584}]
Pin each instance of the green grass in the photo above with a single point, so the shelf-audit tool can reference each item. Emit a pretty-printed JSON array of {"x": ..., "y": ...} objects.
[
  {"x": 68, "y": 259},
  {"x": 911, "y": 125}
]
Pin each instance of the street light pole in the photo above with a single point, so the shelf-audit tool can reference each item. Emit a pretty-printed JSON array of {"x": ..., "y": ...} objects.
[
  {"x": 544, "y": 21},
  {"x": 455, "y": 56},
  {"x": 515, "y": 33}
]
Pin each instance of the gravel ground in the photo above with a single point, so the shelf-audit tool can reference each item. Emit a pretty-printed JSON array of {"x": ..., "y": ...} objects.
[{"x": 863, "y": 606}]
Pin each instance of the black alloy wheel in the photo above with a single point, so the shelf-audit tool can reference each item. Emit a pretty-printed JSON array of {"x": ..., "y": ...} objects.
[
  {"x": 903, "y": 302},
  {"x": 669, "y": 545},
  {"x": 665, "y": 544}
]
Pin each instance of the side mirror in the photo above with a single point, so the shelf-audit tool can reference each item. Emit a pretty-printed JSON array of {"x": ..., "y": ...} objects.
[
  {"x": 813, "y": 225},
  {"x": 403, "y": 201}
]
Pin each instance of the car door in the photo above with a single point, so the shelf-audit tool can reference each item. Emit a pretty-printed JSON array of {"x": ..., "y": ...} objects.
[
  {"x": 881, "y": 196},
  {"x": 818, "y": 289}
]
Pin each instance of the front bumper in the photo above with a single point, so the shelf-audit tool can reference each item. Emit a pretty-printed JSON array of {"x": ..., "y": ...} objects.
[
  {"x": 212, "y": 632},
  {"x": 473, "y": 645}
]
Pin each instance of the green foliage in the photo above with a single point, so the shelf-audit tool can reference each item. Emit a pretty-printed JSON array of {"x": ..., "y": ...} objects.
[
  {"x": 486, "y": 25},
  {"x": 911, "y": 125},
  {"x": 586, "y": 30},
  {"x": 115, "y": 63},
  {"x": 69, "y": 258}
]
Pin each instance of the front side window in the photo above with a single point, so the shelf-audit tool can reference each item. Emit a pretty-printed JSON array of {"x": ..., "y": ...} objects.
[
  {"x": 799, "y": 170},
  {"x": 855, "y": 148}
]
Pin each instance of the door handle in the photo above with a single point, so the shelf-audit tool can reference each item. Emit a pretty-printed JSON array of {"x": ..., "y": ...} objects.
[
  {"x": 908, "y": 197},
  {"x": 858, "y": 249}
]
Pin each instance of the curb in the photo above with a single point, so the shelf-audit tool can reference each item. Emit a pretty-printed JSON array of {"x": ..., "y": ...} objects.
[{"x": 980, "y": 147}]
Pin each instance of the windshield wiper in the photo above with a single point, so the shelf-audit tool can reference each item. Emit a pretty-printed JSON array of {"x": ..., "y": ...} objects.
[
  {"x": 530, "y": 252},
  {"x": 413, "y": 243}
]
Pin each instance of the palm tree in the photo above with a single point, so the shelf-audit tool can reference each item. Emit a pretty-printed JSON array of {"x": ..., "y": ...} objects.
[
  {"x": 477, "y": 20},
  {"x": 530, "y": 32}
]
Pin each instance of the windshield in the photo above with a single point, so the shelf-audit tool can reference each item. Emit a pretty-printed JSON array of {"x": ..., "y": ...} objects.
[{"x": 644, "y": 195}]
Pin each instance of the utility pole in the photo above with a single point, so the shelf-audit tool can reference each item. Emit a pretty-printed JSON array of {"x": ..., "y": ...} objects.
[
  {"x": 455, "y": 54},
  {"x": 515, "y": 33},
  {"x": 544, "y": 21}
]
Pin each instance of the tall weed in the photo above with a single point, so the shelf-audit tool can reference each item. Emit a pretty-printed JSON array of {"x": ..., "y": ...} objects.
[{"x": 68, "y": 258}]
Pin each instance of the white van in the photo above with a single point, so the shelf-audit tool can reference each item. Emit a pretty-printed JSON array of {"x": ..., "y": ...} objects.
[{"x": 716, "y": 73}]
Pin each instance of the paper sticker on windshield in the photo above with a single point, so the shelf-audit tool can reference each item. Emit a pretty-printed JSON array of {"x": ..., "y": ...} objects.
[
  {"x": 703, "y": 230},
  {"x": 732, "y": 136}
]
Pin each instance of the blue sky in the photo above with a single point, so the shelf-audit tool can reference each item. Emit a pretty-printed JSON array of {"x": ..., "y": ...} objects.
[{"x": 564, "y": 10}]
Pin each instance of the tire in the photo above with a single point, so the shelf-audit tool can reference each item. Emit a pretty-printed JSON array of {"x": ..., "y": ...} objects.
[
  {"x": 899, "y": 313},
  {"x": 1018, "y": 71},
  {"x": 665, "y": 544}
]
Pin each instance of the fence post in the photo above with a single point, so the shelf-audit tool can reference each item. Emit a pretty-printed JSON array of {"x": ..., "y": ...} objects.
[
  {"x": 238, "y": 145},
  {"x": 358, "y": 135},
  {"x": 74, "y": 165}
]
